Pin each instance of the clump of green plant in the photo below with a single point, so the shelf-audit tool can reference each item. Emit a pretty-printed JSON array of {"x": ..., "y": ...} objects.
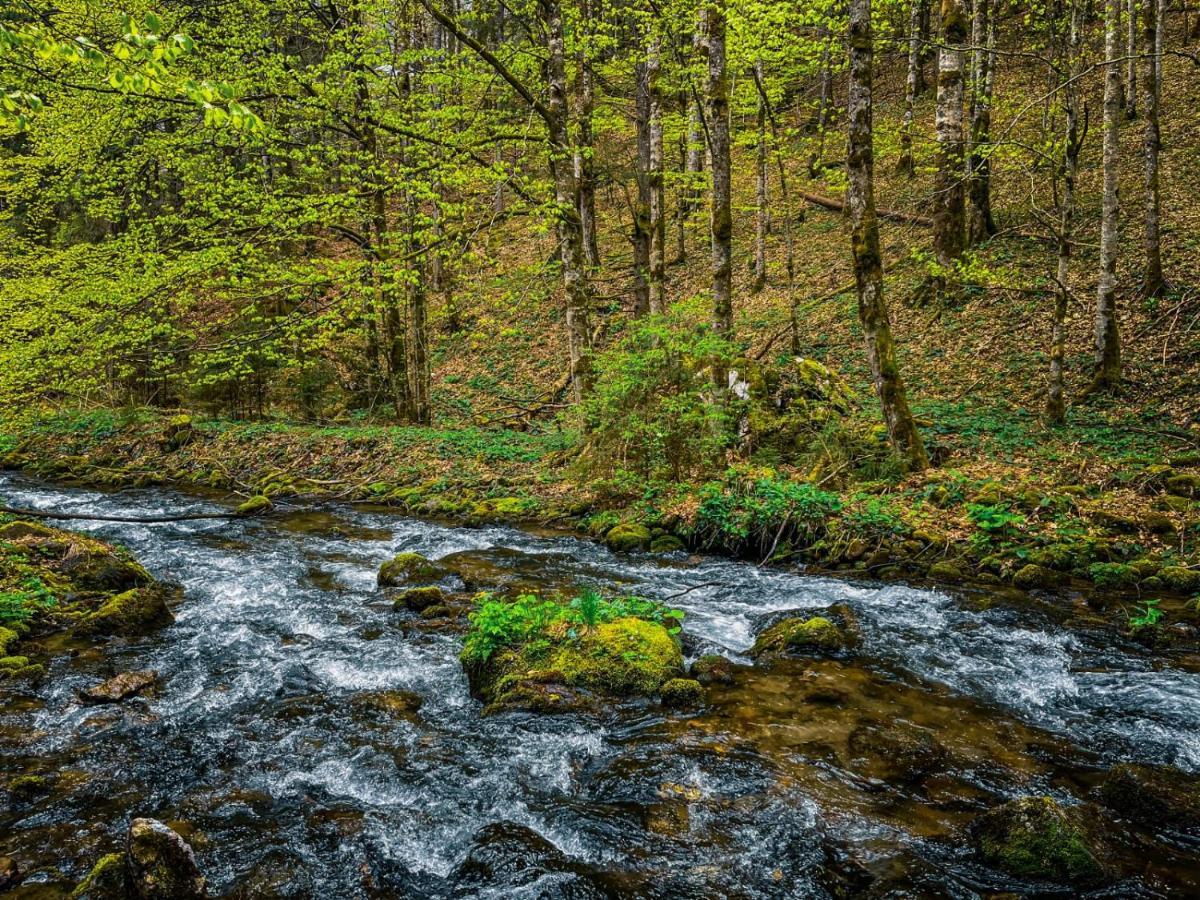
[
  {"x": 529, "y": 620},
  {"x": 20, "y": 604},
  {"x": 994, "y": 521},
  {"x": 1147, "y": 615}
]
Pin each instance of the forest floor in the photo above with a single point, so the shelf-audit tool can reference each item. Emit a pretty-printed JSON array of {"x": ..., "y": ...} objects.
[{"x": 1109, "y": 498}]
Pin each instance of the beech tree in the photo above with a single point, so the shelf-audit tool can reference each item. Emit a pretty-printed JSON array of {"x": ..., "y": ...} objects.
[{"x": 1108, "y": 335}]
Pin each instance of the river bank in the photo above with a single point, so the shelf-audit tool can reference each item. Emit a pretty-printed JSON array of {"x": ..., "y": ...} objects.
[{"x": 1125, "y": 535}]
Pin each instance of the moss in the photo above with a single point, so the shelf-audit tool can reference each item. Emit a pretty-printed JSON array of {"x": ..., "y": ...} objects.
[
  {"x": 682, "y": 692},
  {"x": 628, "y": 537},
  {"x": 255, "y": 504},
  {"x": 1184, "y": 486},
  {"x": 34, "y": 672},
  {"x": 105, "y": 881},
  {"x": 1032, "y": 576},
  {"x": 1181, "y": 579},
  {"x": 15, "y": 531},
  {"x": 8, "y": 640},
  {"x": 13, "y": 662},
  {"x": 713, "y": 669},
  {"x": 816, "y": 635},
  {"x": 420, "y": 598},
  {"x": 625, "y": 657},
  {"x": 132, "y": 612},
  {"x": 410, "y": 569},
  {"x": 92, "y": 566},
  {"x": 1113, "y": 574},
  {"x": 1035, "y": 837},
  {"x": 27, "y": 787},
  {"x": 946, "y": 571},
  {"x": 667, "y": 543}
]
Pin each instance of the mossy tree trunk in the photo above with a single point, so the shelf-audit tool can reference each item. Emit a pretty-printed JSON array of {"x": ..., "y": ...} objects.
[
  {"x": 722, "y": 212},
  {"x": 980, "y": 222},
  {"x": 907, "y": 164},
  {"x": 658, "y": 204},
  {"x": 868, "y": 265},
  {"x": 641, "y": 209},
  {"x": 1108, "y": 335},
  {"x": 761, "y": 212},
  {"x": 1153, "y": 281}
]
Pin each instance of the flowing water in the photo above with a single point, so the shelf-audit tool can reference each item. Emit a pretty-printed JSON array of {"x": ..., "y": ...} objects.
[{"x": 254, "y": 747}]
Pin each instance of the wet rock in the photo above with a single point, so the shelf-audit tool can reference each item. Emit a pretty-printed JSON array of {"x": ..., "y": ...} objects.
[
  {"x": 1179, "y": 578},
  {"x": 671, "y": 818},
  {"x": 506, "y": 857},
  {"x": 1153, "y": 795},
  {"x": 486, "y": 569},
  {"x": 106, "y": 881},
  {"x": 628, "y": 537},
  {"x": 92, "y": 566},
  {"x": 10, "y": 873},
  {"x": 667, "y": 543},
  {"x": 1035, "y": 837},
  {"x": 29, "y": 787},
  {"x": 420, "y": 598},
  {"x": 161, "y": 864},
  {"x": 834, "y": 633},
  {"x": 1032, "y": 576},
  {"x": 411, "y": 569},
  {"x": 134, "y": 612},
  {"x": 394, "y": 703},
  {"x": 122, "y": 687},
  {"x": 948, "y": 572},
  {"x": 682, "y": 693},
  {"x": 255, "y": 504},
  {"x": 713, "y": 669},
  {"x": 898, "y": 751}
]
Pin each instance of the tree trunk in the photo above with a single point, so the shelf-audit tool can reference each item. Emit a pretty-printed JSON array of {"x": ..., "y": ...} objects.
[
  {"x": 949, "y": 225},
  {"x": 980, "y": 223},
  {"x": 722, "y": 214},
  {"x": 1152, "y": 278},
  {"x": 1056, "y": 405},
  {"x": 585, "y": 166},
  {"x": 1131, "y": 51},
  {"x": 868, "y": 265},
  {"x": 1108, "y": 336},
  {"x": 825, "y": 102},
  {"x": 761, "y": 223},
  {"x": 658, "y": 204},
  {"x": 907, "y": 165},
  {"x": 570, "y": 225},
  {"x": 641, "y": 211}
]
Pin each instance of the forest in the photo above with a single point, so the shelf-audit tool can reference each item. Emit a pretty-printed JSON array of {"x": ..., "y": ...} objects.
[{"x": 599, "y": 448}]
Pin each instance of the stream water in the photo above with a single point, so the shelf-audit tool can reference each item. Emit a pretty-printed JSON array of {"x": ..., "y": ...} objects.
[{"x": 288, "y": 789}]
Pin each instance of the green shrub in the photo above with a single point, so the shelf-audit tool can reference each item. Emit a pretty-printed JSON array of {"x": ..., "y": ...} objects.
[{"x": 20, "y": 604}]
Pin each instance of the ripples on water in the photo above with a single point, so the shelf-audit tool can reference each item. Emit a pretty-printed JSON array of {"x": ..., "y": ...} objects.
[{"x": 252, "y": 738}]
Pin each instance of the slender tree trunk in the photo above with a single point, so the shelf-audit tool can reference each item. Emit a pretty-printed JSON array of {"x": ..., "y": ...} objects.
[
  {"x": 1131, "y": 51},
  {"x": 585, "y": 166},
  {"x": 1056, "y": 404},
  {"x": 1152, "y": 278},
  {"x": 1108, "y": 335},
  {"x": 641, "y": 211},
  {"x": 980, "y": 223},
  {"x": 949, "y": 219},
  {"x": 658, "y": 199},
  {"x": 868, "y": 264},
  {"x": 907, "y": 165},
  {"x": 761, "y": 221},
  {"x": 570, "y": 225},
  {"x": 825, "y": 102},
  {"x": 722, "y": 213}
]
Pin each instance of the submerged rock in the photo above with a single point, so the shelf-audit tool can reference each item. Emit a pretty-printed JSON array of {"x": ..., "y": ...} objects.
[
  {"x": 507, "y": 859},
  {"x": 713, "y": 669},
  {"x": 834, "y": 633},
  {"x": 1153, "y": 795},
  {"x": 394, "y": 703},
  {"x": 119, "y": 688},
  {"x": 627, "y": 537},
  {"x": 1035, "y": 837},
  {"x": 161, "y": 865},
  {"x": 899, "y": 752},
  {"x": 106, "y": 881},
  {"x": 411, "y": 569},
  {"x": 133, "y": 612},
  {"x": 420, "y": 598}
]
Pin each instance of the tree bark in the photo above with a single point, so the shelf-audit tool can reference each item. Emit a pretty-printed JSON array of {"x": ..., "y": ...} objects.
[
  {"x": 1056, "y": 404},
  {"x": 585, "y": 165},
  {"x": 1131, "y": 51},
  {"x": 825, "y": 101},
  {"x": 949, "y": 228},
  {"x": 907, "y": 165},
  {"x": 658, "y": 204},
  {"x": 722, "y": 213},
  {"x": 1108, "y": 336},
  {"x": 761, "y": 222},
  {"x": 1153, "y": 281},
  {"x": 641, "y": 211},
  {"x": 980, "y": 223},
  {"x": 868, "y": 264}
]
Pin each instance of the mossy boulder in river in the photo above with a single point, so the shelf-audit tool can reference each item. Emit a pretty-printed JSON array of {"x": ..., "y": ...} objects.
[
  {"x": 1035, "y": 837},
  {"x": 161, "y": 865},
  {"x": 120, "y": 687},
  {"x": 419, "y": 599},
  {"x": 682, "y": 693},
  {"x": 628, "y": 537},
  {"x": 835, "y": 632},
  {"x": 106, "y": 881},
  {"x": 131, "y": 613},
  {"x": 413, "y": 569}
]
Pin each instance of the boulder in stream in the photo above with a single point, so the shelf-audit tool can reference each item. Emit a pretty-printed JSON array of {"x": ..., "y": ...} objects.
[
  {"x": 106, "y": 881},
  {"x": 713, "y": 668},
  {"x": 1036, "y": 837},
  {"x": 897, "y": 751},
  {"x": 505, "y": 858},
  {"x": 413, "y": 569},
  {"x": 161, "y": 865},
  {"x": 833, "y": 633},
  {"x": 120, "y": 687},
  {"x": 1153, "y": 795},
  {"x": 134, "y": 612},
  {"x": 418, "y": 599},
  {"x": 628, "y": 537}
]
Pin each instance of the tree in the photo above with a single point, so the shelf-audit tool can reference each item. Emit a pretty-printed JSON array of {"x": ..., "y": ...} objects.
[
  {"x": 1108, "y": 335},
  {"x": 980, "y": 222},
  {"x": 917, "y": 9},
  {"x": 1153, "y": 281},
  {"x": 868, "y": 264},
  {"x": 722, "y": 211},
  {"x": 949, "y": 219}
]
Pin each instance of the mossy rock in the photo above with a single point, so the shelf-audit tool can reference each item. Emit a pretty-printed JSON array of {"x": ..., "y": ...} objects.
[
  {"x": 106, "y": 881},
  {"x": 1035, "y": 837},
  {"x": 1178, "y": 578},
  {"x": 161, "y": 865},
  {"x": 411, "y": 569},
  {"x": 667, "y": 543},
  {"x": 1184, "y": 486},
  {"x": 713, "y": 669},
  {"x": 948, "y": 572},
  {"x": 902, "y": 752},
  {"x": 29, "y": 787},
  {"x": 682, "y": 693},
  {"x": 1113, "y": 575},
  {"x": 628, "y": 537},
  {"x": 419, "y": 599},
  {"x": 1153, "y": 795},
  {"x": 133, "y": 612},
  {"x": 92, "y": 566},
  {"x": 818, "y": 635},
  {"x": 1158, "y": 523},
  {"x": 256, "y": 504},
  {"x": 1032, "y": 576},
  {"x": 8, "y": 640},
  {"x": 179, "y": 433},
  {"x": 15, "y": 531},
  {"x": 12, "y": 663},
  {"x": 28, "y": 673}
]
